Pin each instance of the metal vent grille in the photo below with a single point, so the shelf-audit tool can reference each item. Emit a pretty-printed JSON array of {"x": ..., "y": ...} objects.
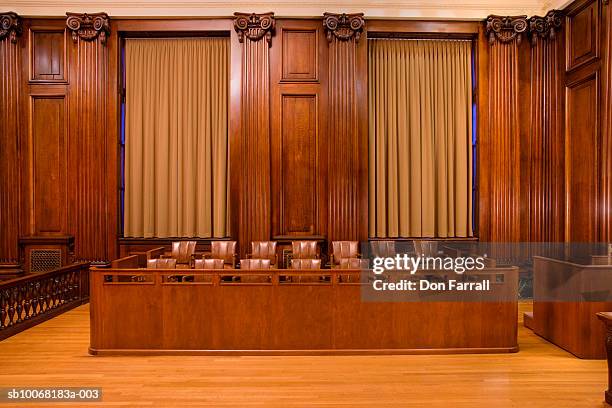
[
  {"x": 287, "y": 257},
  {"x": 45, "y": 259}
]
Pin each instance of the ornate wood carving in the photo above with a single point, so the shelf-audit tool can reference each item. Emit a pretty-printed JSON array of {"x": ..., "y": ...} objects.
[
  {"x": 343, "y": 26},
  {"x": 500, "y": 142},
  {"x": 506, "y": 28},
  {"x": 347, "y": 140},
  {"x": 546, "y": 142},
  {"x": 88, "y": 27},
  {"x": 28, "y": 301},
  {"x": 253, "y": 147},
  {"x": 10, "y": 26},
  {"x": 545, "y": 146},
  {"x": 10, "y": 136},
  {"x": 254, "y": 26},
  {"x": 91, "y": 168},
  {"x": 545, "y": 27}
]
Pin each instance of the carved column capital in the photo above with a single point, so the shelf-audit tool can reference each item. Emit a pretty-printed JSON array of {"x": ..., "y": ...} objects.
[
  {"x": 254, "y": 26},
  {"x": 88, "y": 27},
  {"x": 10, "y": 26},
  {"x": 343, "y": 26},
  {"x": 545, "y": 27},
  {"x": 506, "y": 28}
]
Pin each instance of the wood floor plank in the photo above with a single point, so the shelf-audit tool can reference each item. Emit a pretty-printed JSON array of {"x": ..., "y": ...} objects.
[{"x": 540, "y": 375}]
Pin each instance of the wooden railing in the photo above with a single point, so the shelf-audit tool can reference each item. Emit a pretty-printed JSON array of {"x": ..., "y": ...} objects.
[{"x": 34, "y": 298}]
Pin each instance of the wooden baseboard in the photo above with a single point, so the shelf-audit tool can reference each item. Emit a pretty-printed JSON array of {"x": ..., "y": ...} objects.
[
  {"x": 528, "y": 320},
  {"x": 343, "y": 352}
]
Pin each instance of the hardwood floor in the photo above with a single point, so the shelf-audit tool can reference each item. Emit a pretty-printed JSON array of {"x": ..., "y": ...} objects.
[{"x": 540, "y": 375}]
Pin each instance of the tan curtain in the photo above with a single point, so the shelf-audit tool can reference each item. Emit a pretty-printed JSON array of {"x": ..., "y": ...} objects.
[
  {"x": 420, "y": 107},
  {"x": 176, "y": 137}
]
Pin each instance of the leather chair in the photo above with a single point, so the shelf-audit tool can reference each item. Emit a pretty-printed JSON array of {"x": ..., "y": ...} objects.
[
  {"x": 263, "y": 250},
  {"x": 354, "y": 263},
  {"x": 225, "y": 250},
  {"x": 161, "y": 263},
  {"x": 383, "y": 249},
  {"x": 305, "y": 264},
  {"x": 304, "y": 250},
  {"x": 344, "y": 250},
  {"x": 255, "y": 264},
  {"x": 183, "y": 251},
  {"x": 426, "y": 248},
  {"x": 209, "y": 264}
]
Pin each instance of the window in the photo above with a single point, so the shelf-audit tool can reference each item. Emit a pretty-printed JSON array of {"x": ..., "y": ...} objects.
[{"x": 421, "y": 112}]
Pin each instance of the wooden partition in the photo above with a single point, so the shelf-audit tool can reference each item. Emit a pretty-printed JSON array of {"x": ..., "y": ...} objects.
[
  {"x": 567, "y": 297},
  {"x": 286, "y": 312},
  {"x": 29, "y": 300}
]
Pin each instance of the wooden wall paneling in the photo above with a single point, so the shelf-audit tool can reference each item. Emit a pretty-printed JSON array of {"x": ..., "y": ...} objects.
[
  {"x": 255, "y": 32},
  {"x": 581, "y": 156},
  {"x": 298, "y": 121},
  {"x": 113, "y": 115},
  {"x": 235, "y": 137},
  {"x": 11, "y": 44},
  {"x": 482, "y": 203},
  {"x": 416, "y": 28},
  {"x": 48, "y": 164},
  {"x": 502, "y": 137},
  {"x": 584, "y": 147},
  {"x": 524, "y": 111},
  {"x": 47, "y": 48},
  {"x": 90, "y": 216},
  {"x": 546, "y": 158},
  {"x": 606, "y": 137},
  {"x": 583, "y": 33},
  {"x": 347, "y": 131}
]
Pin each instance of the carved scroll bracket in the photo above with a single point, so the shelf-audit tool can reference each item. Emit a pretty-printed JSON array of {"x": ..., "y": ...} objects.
[
  {"x": 343, "y": 26},
  {"x": 545, "y": 27},
  {"x": 88, "y": 27},
  {"x": 506, "y": 28},
  {"x": 254, "y": 26},
  {"x": 10, "y": 26}
]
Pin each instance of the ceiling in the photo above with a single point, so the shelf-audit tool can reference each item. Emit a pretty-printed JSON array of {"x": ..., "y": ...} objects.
[{"x": 416, "y": 9}]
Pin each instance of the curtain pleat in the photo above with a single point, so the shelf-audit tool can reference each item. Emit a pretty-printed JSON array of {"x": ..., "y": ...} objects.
[
  {"x": 176, "y": 137},
  {"x": 420, "y": 109}
]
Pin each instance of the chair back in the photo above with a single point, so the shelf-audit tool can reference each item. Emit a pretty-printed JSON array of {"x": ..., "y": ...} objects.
[
  {"x": 383, "y": 249},
  {"x": 255, "y": 264},
  {"x": 354, "y": 263},
  {"x": 163, "y": 263},
  {"x": 306, "y": 264},
  {"x": 426, "y": 248},
  {"x": 264, "y": 250},
  {"x": 225, "y": 250},
  {"x": 182, "y": 251},
  {"x": 209, "y": 264},
  {"x": 344, "y": 249},
  {"x": 304, "y": 249}
]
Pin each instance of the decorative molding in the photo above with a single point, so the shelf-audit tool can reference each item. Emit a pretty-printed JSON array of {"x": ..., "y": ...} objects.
[
  {"x": 545, "y": 27},
  {"x": 10, "y": 26},
  {"x": 506, "y": 28},
  {"x": 416, "y": 9},
  {"x": 254, "y": 26},
  {"x": 88, "y": 27},
  {"x": 343, "y": 26}
]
